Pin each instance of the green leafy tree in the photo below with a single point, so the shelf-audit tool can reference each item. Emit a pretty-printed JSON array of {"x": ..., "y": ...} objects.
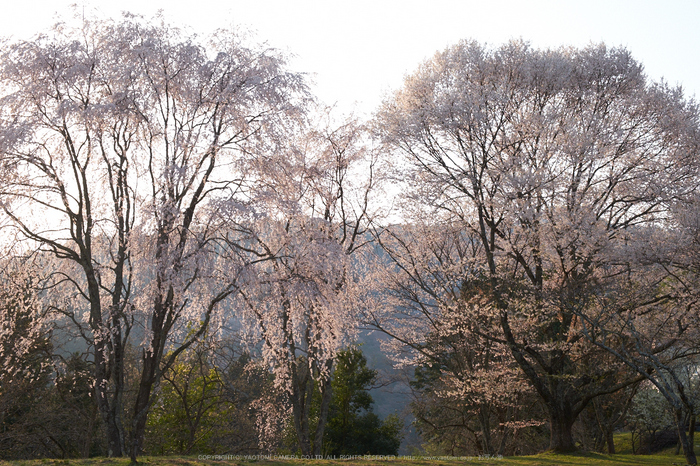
[
  {"x": 353, "y": 428},
  {"x": 205, "y": 404},
  {"x": 184, "y": 417}
]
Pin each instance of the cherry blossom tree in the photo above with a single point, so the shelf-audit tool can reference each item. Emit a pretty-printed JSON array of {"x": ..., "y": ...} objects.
[
  {"x": 25, "y": 330},
  {"x": 544, "y": 161},
  {"x": 26, "y": 361},
  {"x": 648, "y": 317},
  {"x": 655, "y": 334},
  {"x": 127, "y": 145},
  {"x": 318, "y": 198},
  {"x": 432, "y": 321}
]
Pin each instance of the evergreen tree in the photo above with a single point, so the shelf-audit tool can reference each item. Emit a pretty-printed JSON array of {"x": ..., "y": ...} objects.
[{"x": 353, "y": 427}]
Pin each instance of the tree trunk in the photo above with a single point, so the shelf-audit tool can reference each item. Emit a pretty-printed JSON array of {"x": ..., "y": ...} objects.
[
  {"x": 691, "y": 431},
  {"x": 151, "y": 360},
  {"x": 485, "y": 425},
  {"x": 109, "y": 358},
  {"x": 609, "y": 439},
  {"x": 560, "y": 423},
  {"x": 688, "y": 450},
  {"x": 302, "y": 390},
  {"x": 505, "y": 430},
  {"x": 139, "y": 421},
  {"x": 557, "y": 394},
  {"x": 109, "y": 409},
  {"x": 115, "y": 439},
  {"x": 326, "y": 394}
]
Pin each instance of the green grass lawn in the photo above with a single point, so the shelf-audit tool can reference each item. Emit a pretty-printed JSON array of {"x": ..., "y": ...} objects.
[
  {"x": 623, "y": 445},
  {"x": 543, "y": 459}
]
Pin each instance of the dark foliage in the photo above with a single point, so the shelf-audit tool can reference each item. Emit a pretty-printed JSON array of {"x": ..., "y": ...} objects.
[{"x": 353, "y": 429}]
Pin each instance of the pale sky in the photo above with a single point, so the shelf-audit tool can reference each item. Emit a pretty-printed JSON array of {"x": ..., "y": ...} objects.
[{"x": 359, "y": 50}]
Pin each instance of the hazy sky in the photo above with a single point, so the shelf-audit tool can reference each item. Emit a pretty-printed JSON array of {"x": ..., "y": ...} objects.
[{"x": 358, "y": 50}]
